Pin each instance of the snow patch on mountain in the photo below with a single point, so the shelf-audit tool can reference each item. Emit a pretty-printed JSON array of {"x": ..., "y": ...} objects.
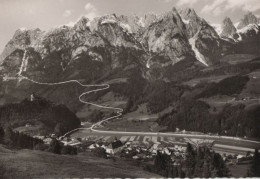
[
  {"x": 88, "y": 23},
  {"x": 23, "y": 29},
  {"x": 236, "y": 24},
  {"x": 249, "y": 27},
  {"x": 141, "y": 22},
  {"x": 239, "y": 37},
  {"x": 24, "y": 63},
  {"x": 107, "y": 21},
  {"x": 148, "y": 63},
  {"x": 126, "y": 27},
  {"x": 185, "y": 21},
  {"x": 217, "y": 28},
  {"x": 198, "y": 55}
]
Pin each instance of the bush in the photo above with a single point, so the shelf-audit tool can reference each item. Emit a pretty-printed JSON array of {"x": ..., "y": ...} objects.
[
  {"x": 55, "y": 147},
  {"x": 100, "y": 152},
  {"x": 69, "y": 150},
  {"x": 41, "y": 147}
]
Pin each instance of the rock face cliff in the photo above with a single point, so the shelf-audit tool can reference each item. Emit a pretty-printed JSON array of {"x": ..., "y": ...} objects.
[
  {"x": 22, "y": 38},
  {"x": 201, "y": 36},
  {"x": 228, "y": 28},
  {"x": 168, "y": 36}
]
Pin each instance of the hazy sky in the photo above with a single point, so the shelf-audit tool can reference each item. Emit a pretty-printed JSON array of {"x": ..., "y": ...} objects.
[{"x": 49, "y": 13}]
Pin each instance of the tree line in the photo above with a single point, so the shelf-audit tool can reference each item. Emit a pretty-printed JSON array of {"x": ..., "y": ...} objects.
[
  {"x": 197, "y": 163},
  {"x": 18, "y": 140},
  {"x": 195, "y": 115},
  {"x": 254, "y": 170},
  {"x": 53, "y": 117}
]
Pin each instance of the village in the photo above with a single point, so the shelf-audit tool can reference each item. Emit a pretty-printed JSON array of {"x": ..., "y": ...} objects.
[
  {"x": 131, "y": 147},
  {"x": 136, "y": 150}
]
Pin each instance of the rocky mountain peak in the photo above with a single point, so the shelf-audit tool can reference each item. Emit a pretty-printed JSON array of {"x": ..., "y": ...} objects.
[
  {"x": 174, "y": 10},
  {"x": 191, "y": 20},
  {"x": 21, "y": 39},
  {"x": 227, "y": 20},
  {"x": 249, "y": 18},
  {"x": 110, "y": 18},
  {"x": 81, "y": 24},
  {"x": 106, "y": 19},
  {"x": 188, "y": 13},
  {"x": 151, "y": 15},
  {"x": 228, "y": 28},
  {"x": 133, "y": 23}
]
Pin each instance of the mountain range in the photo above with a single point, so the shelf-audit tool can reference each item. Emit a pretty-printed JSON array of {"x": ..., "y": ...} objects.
[
  {"x": 173, "y": 36},
  {"x": 149, "y": 55}
]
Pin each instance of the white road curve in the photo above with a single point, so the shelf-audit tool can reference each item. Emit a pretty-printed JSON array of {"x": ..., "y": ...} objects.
[{"x": 103, "y": 87}]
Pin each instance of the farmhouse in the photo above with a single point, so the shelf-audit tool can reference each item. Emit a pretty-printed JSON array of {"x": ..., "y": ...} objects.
[{"x": 114, "y": 147}]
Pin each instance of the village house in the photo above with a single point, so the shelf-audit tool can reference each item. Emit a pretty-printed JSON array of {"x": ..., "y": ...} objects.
[
  {"x": 28, "y": 125},
  {"x": 47, "y": 140},
  {"x": 93, "y": 146},
  {"x": 166, "y": 151},
  {"x": 32, "y": 97},
  {"x": 114, "y": 147},
  {"x": 39, "y": 137}
]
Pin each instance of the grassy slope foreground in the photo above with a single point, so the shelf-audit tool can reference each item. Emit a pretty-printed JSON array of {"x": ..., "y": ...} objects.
[{"x": 33, "y": 164}]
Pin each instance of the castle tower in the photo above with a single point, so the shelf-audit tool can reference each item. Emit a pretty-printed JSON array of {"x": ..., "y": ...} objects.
[{"x": 32, "y": 98}]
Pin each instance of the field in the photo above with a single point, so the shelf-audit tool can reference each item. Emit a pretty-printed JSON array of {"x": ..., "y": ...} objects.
[
  {"x": 169, "y": 141},
  {"x": 138, "y": 120},
  {"x": 132, "y": 125},
  {"x": 116, "y": 80},
  {"x": 35, "y": 164},
  {"x": 252, "y": 88},
  {"x": 142, "y": 113},
  {"x": 237, "y": 58},
  {"x": 209, "y": 79},
  {"x": 238, "y": 143},
  {"x": 219, "y": 101}
]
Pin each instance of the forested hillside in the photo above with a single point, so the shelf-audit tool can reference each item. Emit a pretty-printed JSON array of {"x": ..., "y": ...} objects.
[
  {"x": 42, "y": 114},
  {"x": 195, "y": 115}
]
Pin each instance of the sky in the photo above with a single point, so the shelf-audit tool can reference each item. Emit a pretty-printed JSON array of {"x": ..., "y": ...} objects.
[{"x": 46, "y": 14}]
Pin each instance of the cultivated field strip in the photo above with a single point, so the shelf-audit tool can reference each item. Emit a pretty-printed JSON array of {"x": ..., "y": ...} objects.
[
  {"x": 220, "y": 146},
  {"x": 140, "y": 139}
]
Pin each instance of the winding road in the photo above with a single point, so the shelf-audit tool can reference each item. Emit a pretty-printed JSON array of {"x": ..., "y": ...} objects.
[
  {"x": 119, "y": 113},
  {"x": 103, "y": 87}
]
